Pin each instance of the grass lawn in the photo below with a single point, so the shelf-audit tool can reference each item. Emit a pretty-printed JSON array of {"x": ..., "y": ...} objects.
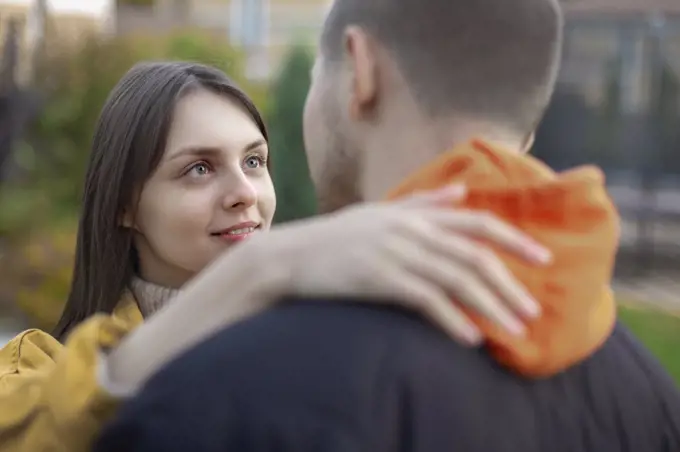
[{"x": 659, "y": 331}]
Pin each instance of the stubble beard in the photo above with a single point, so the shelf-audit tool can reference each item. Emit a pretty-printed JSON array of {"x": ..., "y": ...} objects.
[{"x": 339, "y": 185}]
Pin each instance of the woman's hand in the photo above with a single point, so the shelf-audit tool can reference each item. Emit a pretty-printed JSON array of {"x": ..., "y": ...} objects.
[{"x": 414, "y": 253}]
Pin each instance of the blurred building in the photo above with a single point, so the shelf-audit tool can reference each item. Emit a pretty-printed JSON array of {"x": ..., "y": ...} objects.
[
  {"x": 599, "y": 32},
  {"x": 618, "y": 106},
  {"x": 70, "y": 20},
  {"x": 625, "y": 39},
  {"x": 265, "y": 28}
]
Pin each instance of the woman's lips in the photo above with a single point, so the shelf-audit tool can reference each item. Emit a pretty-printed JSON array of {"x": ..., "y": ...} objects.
[{"x": 237, "y": 234}]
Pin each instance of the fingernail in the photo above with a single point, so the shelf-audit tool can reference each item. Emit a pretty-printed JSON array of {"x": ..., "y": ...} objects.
[
  {"x": 515, "y": 327},
  {"x": 539, "y": 254},
  {"x": 473, "y": 336},
  {"x": 531, "y": 308},
  {"x": 467, "y": 333},
  {"x": 457, "y": 190}
]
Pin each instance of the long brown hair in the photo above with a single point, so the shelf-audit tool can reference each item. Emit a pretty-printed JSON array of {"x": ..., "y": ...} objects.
[{"x": 129, "y": 141}]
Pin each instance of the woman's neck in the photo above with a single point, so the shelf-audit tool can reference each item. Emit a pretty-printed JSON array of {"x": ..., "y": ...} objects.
[{"x": 150, "y": 297}]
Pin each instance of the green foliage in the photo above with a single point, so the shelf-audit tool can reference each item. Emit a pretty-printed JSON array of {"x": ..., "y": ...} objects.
[
  {"x": 294, "y": 189},
  {"x": 36, "y": 272},
  {"x": 658, "y": 331}
]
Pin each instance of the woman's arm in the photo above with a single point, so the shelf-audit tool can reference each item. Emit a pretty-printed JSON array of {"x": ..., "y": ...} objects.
[{"x": 413, "y": 252}]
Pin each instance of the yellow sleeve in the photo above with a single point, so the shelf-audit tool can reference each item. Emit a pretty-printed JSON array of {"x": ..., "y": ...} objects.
[{"x": 50, "y": 398}]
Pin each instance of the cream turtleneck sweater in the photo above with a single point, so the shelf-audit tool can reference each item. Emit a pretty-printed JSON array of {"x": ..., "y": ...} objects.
[{"x": 150, "y": 297}]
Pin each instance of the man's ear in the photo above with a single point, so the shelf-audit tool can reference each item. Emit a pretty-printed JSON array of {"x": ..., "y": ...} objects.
[
  {"x": 362, "y": 58},
  {"x": 529, "y": 143}
]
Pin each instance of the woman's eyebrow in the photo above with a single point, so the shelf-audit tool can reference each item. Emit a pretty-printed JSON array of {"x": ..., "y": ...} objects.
[{"x": 211, "y": 151}]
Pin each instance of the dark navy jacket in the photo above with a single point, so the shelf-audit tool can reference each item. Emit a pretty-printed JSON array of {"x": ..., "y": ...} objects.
[{"x": 327, "y": 377}]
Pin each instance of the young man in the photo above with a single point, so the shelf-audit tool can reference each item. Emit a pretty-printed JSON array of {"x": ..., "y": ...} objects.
[{"x": 399, "y": 83}]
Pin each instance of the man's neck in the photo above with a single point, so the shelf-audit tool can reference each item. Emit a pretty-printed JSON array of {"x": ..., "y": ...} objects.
[{"x": 391, "y": 158}]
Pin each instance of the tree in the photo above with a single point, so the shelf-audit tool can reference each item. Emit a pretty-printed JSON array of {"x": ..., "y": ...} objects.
[{"x": 294, "y": 189}]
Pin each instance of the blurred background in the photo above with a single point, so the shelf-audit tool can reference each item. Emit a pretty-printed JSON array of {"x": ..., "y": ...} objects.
[{"x": 617, "y": 106}]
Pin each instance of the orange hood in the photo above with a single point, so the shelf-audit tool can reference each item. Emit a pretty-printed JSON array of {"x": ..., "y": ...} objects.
[{"x": 571, "y": 214}]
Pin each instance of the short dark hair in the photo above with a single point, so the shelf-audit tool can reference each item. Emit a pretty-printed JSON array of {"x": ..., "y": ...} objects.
[
  {"x": 492, "y": 59},
  {"x": 129, "y": 141}
]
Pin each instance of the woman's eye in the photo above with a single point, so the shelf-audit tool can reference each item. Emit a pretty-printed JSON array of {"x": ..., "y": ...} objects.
[
  {"x": 200, "y": 169},
  {"x": 254, "y": 162}
]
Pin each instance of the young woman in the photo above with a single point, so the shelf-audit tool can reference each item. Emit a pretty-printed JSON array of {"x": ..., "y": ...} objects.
[{"x": 178, "y": 195}]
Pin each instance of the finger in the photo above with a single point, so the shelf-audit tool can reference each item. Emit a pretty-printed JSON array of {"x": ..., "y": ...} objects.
[
  {"x": 486, "y": 264},
  {"x": 443, "y": 196},
  {"x": 445, "y": 268},
  {"x": 433, "y": 303},
  {"x": 484, "y": 225}
]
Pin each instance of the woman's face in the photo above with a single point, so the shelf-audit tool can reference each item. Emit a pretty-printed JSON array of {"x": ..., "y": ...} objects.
[{"x": 210, "y": 191}]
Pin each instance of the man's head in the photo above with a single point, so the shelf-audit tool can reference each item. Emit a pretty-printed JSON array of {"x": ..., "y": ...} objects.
[{"x": 395, "y": 78}]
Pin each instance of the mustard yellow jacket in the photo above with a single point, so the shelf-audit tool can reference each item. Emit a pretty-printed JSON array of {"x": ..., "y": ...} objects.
[{"x": 50, "y": 398}]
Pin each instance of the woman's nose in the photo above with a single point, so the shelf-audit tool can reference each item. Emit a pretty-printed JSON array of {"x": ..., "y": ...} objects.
[{"x": 239, "y": 194}]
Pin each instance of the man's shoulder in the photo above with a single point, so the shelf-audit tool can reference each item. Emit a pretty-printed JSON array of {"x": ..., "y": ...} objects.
[
  {"x": 340, "y": 348},
  {"x": 353, "y": 336},
  {"x": 333, "y": 361},
  {"x": 302, "y": 325},
  {"x": 322, "y": 336},
  {"x": 331, "y": 350},
  {"x": 346, "y": 337},
  {"x": 385, "y": 373}
]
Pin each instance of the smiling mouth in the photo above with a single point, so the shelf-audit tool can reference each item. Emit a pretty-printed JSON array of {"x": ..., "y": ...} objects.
[
  {"x": 236, "y": 234},
  {"x": 240, "y": 231}
]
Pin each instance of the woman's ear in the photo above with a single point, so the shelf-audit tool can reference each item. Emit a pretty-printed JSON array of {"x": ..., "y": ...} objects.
[{"x": 126, "y": 220}]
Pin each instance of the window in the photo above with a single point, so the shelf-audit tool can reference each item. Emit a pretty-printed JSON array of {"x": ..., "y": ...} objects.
[{"x": 249, "y": 22}]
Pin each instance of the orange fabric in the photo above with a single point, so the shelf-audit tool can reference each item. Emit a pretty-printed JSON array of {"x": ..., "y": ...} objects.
[{"x": 572, "y": 215}]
